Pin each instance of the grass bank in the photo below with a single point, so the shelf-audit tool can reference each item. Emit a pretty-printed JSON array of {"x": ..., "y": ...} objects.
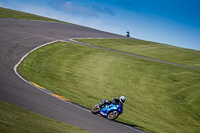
[
  {"x": 17, "y": 120},
  {"x": 160, "y": 97},
  {"x": 8, "y": 13},
  {"x": 150, "y": 49}
]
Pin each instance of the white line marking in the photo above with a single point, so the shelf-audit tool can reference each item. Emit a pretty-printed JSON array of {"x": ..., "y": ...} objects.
[{"x": 15, "y": 69}]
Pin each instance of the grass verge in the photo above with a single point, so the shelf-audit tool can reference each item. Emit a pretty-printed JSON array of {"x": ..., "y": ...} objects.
[
  {"x": 17, "y": 120},
  {"x": 8, "y": 13},
  {"x": 150, "y": 49},
  {"x": 160, "y": 97}
]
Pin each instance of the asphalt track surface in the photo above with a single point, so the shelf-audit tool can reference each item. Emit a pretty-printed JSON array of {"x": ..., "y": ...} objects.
[{"x": 17, "y": 38}]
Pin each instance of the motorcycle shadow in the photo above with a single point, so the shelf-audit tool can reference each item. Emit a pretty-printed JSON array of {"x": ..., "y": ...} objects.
[{"x": 131, "y": 125}]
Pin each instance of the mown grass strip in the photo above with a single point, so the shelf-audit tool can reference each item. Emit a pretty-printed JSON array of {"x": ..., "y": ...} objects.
[
  {"x": 17, "y": 120},
  {"x": 160, "y": 97},
  {"x": 150, "y": 49}
]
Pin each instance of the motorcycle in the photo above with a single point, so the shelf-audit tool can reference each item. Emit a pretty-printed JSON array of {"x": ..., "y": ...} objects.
[{"x": 110, "y": 111}]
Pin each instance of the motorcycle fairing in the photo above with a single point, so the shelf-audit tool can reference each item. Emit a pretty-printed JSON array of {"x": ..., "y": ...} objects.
[{"x": 112, "y": 107}]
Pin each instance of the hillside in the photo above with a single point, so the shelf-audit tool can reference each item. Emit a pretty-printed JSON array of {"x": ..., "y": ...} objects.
[
  {"x": 8, "y": 13},
  {"x": 160, "y": 97}
]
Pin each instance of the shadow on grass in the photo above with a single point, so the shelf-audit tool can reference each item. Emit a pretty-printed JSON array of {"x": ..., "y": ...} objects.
[{"x": 139, "y": 128}]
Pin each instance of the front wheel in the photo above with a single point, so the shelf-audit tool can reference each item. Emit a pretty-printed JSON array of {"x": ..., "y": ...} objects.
[
  {"x": 95, "y": 109},
  {"x": 113, "y": 115}
]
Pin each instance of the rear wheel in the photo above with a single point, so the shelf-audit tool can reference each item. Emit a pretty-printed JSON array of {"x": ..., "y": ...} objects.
[
  {"x": 113, "y": 115},
  {"x": 95, "y": 109}
]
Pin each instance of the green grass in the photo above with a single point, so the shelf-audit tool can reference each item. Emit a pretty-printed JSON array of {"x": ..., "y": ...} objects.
[
  {"x": 151, "y": 49},
  {"x": 17, "y": 120},
  {"x": 161, "y": 98},
  {"x": 8, "y": 13}
]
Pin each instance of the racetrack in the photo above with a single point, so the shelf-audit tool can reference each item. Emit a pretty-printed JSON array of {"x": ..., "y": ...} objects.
[{"x": 17, "y": 38}]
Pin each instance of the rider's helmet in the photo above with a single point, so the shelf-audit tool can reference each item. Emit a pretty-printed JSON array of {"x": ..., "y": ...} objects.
[{"x": 122, "y": 99}]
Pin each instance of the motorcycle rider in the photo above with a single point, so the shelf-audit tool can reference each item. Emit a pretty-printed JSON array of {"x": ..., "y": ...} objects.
[
  {"x": 115, "y": 101},
  {"x": 128, "y": 34}
]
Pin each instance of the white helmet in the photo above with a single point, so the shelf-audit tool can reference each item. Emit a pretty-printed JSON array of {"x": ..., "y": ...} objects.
[{"x": 122, "y": 99}]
